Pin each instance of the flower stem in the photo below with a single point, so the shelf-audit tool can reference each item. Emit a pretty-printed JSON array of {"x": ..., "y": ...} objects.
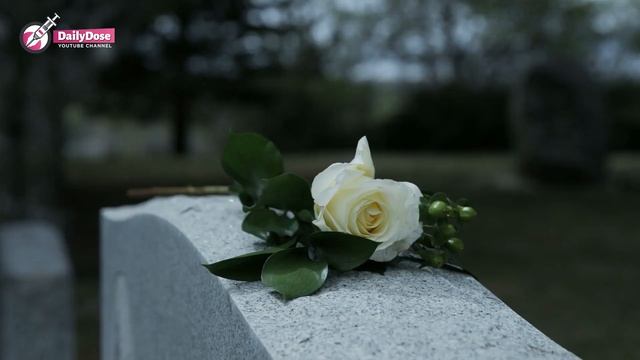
[
  {"x": 447, "y": 265},
  {"x": 178, "y": 190}
]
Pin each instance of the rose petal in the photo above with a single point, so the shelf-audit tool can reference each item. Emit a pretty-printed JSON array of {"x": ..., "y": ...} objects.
[
  {"x": 326, "y": 180},
  {"x": 363, "y": 158}
]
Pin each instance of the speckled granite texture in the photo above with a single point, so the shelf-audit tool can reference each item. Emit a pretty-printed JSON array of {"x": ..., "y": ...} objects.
[{"x": 158, "y": 302}]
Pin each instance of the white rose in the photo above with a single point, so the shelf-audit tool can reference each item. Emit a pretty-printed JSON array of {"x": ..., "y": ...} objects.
[{"x": 348, "y": 199}]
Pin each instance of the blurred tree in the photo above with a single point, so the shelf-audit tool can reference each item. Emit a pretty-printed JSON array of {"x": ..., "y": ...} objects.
[
  {"x": 167, "y": 62},
  {"x": 256, "y": 58},
  {"x": 259, "y": 59},
  {"x": 193, "y": 50},
  {"x": 30, "y": 113}
]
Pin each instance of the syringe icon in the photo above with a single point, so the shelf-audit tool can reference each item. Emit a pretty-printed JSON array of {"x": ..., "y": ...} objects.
[{"x": 38, "y": 34}]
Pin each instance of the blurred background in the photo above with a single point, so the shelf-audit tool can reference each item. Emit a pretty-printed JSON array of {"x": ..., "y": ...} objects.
[{"x": 530, "y": 109}]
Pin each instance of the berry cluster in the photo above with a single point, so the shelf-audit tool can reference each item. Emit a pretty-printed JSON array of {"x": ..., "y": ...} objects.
[{"x": 442, "y": 220}]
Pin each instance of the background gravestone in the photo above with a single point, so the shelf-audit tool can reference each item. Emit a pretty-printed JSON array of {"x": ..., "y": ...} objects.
[
  {"x": 36, "y": 313},
  {"x": 558, "y": 126}
]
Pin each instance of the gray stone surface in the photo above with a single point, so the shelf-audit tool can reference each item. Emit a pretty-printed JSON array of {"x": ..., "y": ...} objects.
[
  {"x": 160, "y": 303},
  {"x": 36, "y": 294}
]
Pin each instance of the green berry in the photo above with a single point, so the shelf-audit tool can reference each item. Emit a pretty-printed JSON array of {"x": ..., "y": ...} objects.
[
  {"x": 455, "y": 244},
  {"x": 447, "y": 230},
  {"x": 467, "y": 213},
  {"x": 437, "y": 209},
  {"x": 436, "y": 260},
  {"x": 433, "y": 257}
]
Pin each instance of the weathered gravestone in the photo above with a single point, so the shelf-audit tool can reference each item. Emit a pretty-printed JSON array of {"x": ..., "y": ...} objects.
[
  {"x": 36, "y": 313},
  {"x": 558, "y": 126},
  {"x": 159, "y": 302}
]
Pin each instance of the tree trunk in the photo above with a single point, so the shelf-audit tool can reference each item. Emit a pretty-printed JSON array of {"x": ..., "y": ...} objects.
[{"x": 180, "y": 123}]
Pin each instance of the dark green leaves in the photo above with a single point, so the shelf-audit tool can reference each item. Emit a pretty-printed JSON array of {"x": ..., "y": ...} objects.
[
  {"x": 248, "y": 158},
  {"x": 246, "y": 267},
  {"x": 287, "y": 192},
  {"x": 262, "y": 222},
  {"x": 292, "y": 274},
  {"x": 255, "y": 165},
  {"x": 342, "y": 251}
]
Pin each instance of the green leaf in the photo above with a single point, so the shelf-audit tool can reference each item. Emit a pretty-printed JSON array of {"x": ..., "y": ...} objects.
[
  {"x": 342, "y": 251},
  {"x": 287, "y": 192},
  {"x": 247, "y": 267},
  {"x": 248, "y": 158},
  {"x": 292, "y": 274},
  {"x": 246, "y": 199},
  {"x": 285, "y": 244},
  {"x": 304, "y": 230},
  {"x": 260, "y": 222}
]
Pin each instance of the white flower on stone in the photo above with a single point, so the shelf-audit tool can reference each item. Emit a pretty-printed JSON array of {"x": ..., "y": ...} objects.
[{"x": 348, "y": 199}]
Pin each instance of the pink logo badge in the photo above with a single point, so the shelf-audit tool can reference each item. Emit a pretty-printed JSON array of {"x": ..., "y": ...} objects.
[{"x": 34, "y": 36}]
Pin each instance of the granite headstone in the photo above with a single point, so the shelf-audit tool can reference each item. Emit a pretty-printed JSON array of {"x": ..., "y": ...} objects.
[
  {"x": 159, "y": 302},
  {"x": 558, "y": 126}
]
